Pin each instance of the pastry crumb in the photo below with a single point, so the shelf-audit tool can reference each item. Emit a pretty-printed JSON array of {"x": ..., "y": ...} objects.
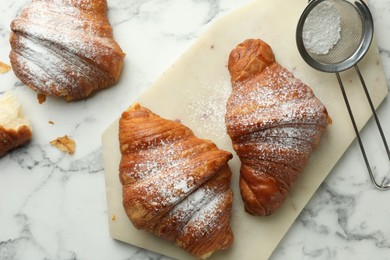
[
  {"x": 64, "y": 144},
  {"x": 4, "y": 68},
  {"x": 51, "y": 122},
  {"x": 113, "y": 218},
  {"x": 41, "y": 98}
]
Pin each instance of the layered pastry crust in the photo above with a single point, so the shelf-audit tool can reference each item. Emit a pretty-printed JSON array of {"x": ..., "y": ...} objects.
[
  {"x": 175, "y": 185},
  {"x": 65, "y": 48},
  {"x": 15, "y": 129},
  {"x": 275, "y": 122}
]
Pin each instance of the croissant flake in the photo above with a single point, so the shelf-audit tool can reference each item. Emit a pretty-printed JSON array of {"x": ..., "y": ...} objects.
[{"x": 4, "y": 68}]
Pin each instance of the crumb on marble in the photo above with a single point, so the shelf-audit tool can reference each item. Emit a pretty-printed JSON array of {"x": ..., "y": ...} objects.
[
  {"x": 64, "y": 144},
  {"x": 51, "y": 122},
  {"x": 4, "y": 68},
  {"x": 41, "y": 98},
  {"x": 113, "y": 218}
]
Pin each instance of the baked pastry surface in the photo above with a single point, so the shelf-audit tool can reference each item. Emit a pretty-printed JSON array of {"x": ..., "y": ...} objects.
[
  {"x": 275, "y": 122},
  {"x": 175, "y": 185},
  {"x": 65, "y": 48},
  {"x": 15, "y": 129}
]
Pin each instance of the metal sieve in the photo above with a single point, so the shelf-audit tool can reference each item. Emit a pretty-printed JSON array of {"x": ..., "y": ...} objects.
[{"x": 356, "y": 33}]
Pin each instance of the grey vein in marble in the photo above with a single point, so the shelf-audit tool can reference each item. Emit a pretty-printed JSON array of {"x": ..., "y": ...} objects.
[{"x": 53, "y": 205}]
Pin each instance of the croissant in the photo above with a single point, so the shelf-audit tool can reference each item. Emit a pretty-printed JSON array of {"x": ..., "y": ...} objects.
[
  {"x": 65, "y": 48},
  {"x": 175, "y": 185},
  {"x": 275, "y": 122},
  {"x": 15, "y": 129}
]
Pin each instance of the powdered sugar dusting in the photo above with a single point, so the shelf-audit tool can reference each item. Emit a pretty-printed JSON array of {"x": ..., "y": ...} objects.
[
  {"x": 208, "y": 215},
  {"x": 170, "y": 186},
  {"x": 192, "y": 203},
  {"x": 177, "y": 185},
  {"x": 173, "y": 176},
  {"x": 169, "y": 168},
  {"x": 205, "y": 221},
  {"x": 165, "y": 176},
  {"x": 69, "y": 47},
  {"x": 322, "y": 28},
  {"x": 209, "y": 110},
  {"x": 184, "y": 211},
  {"x": 275, "y": 121},
  {"x": 278, "y": 99}
]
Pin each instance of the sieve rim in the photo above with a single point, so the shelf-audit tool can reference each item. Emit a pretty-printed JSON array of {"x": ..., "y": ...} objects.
[{"x": 355, "y": 57}]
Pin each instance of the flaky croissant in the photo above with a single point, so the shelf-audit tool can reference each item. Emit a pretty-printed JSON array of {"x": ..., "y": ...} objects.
[
  {"x": 274, "y": 121},
  {"x": 15, "y": 128},
  {"x": 175, "y": 185},
  {"x": 65, "y": 48}
]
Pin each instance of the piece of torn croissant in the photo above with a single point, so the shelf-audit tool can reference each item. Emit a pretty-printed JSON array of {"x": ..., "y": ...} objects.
[
  {"x": 275, "y": 122},
  {"x": 65, "y": 48},
  {"x": 15, "y": 129},
  {"x": 175, "y": 185}
]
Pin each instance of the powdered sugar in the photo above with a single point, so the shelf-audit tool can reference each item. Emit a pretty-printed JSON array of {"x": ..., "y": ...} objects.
[
  {"x": 209, "y": 109},
  {"x": 322, "y": 27},
  {"x": 186, "y": 210},
  {"x": 57, "y": 47},
  {"x": 275, "y": 119},
  {"x": 170, "y": 178},
  {"x": 205, "y": 219},
  {"x": 168, "y": 190},
  {"x": 192, "y": 202},
  {"x": 165, "y": 176},
  {"x": 183, "y": 185},
  {"x": 170, "y": 170},
  {"x": 278, "y": 99}
]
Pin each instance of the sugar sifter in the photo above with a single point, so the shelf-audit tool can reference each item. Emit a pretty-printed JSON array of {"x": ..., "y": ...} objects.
[{"x": 333, "y": 36}]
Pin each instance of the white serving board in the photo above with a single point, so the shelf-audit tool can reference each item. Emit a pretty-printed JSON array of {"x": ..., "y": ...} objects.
[{"x": 195, "y": 90}]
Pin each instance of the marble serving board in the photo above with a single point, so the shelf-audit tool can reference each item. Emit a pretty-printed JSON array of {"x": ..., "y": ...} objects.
[{"x": 195, "y": 89}]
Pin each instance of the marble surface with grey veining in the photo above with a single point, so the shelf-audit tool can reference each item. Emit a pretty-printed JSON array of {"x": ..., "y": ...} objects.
[{"x": 53, "y": 206}]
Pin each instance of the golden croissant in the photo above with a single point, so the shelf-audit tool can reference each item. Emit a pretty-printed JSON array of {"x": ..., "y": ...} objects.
[
  {"x": 275, "y": 122},
  {"x": 15, "y": 128},
  {"x": 175, "y": 185},
  {"x": 65, "y": 48}
]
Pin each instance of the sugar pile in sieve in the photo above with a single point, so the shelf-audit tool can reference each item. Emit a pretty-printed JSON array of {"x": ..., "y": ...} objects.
[{"x": 321, "y": 30}]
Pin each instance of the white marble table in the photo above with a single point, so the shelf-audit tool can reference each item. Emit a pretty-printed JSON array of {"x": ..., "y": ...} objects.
[{"x": 53, "y": 206}]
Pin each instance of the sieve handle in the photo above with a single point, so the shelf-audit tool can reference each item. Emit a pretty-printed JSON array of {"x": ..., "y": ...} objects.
[{"x": 374, "y": 182}]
